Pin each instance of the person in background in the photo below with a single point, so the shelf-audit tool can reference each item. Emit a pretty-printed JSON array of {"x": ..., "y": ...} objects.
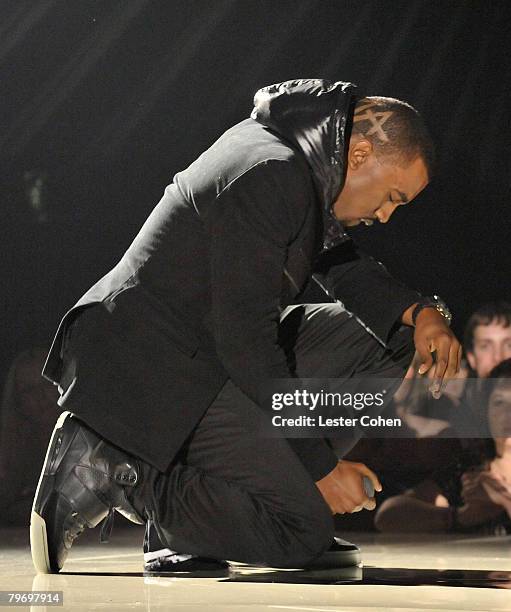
[
  {"x": 438, "y": 430},
  {"x": 474, "y": 491},
  {"x": 496, "y": 479},
  {"x": 486, "y": 342},
  {"x": 487, "y": 339}
]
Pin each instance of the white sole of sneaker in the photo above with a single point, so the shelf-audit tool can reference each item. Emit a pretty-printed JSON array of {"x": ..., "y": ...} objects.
[{"x": 38, "y": 533}]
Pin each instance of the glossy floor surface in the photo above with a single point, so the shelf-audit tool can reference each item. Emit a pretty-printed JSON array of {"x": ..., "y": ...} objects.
[{"x": 399, "y": 573}]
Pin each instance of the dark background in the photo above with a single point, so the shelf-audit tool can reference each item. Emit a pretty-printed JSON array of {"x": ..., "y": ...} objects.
[{"x": 103, "y": 101}]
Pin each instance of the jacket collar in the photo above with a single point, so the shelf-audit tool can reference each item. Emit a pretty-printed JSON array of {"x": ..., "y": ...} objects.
[{"x": 313, "y": 115}]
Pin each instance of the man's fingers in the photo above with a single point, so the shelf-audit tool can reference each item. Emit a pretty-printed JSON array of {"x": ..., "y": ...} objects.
[
  {"x": 343, "y": 488},
  {"x": 447, "y": 355},
  {"x": 453, "y": 364},
  {"x": 447, "y": 363},
  {"x": 347, "y": 505},
  {"x": 372, "y": 477},
  {"x": 426, "y": 357},
  {"x": 370, "y": 504},
  {"x": 442, "y": 347}
]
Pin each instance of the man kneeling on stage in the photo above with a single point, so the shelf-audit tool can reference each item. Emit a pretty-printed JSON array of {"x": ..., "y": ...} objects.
[{"x": 161, "y": 363}]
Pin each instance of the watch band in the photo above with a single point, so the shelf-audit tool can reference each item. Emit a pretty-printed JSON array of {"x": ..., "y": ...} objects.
[{"x": 432, "y": 302}]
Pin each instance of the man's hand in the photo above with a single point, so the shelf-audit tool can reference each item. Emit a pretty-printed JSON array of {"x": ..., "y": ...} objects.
[
  {"x": 343, "y": 488},
  {"x": 433, "y": 335}
]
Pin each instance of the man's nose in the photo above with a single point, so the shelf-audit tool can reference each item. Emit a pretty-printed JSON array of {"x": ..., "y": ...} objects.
[
  {"x": 384, "y": 213},
  {"x": 497, "y": 357}
]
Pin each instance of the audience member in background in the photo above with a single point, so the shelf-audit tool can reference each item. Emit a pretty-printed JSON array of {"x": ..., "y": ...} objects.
[
  {"x": 487, "y": 342},
  {"x": 27, "y": 418},
  {"x": 487, "y": 339},
  {"x": 496, "y": 481},
  {"x": 473, "y": 492},
  {"x": 435, "y": 426}
]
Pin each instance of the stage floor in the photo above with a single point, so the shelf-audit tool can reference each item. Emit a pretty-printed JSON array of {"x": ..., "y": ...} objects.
[{"x": 399, "y": 573}]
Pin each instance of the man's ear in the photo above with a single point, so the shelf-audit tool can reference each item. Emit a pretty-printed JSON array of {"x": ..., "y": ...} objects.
[
  {"x": 471, "y": 360},
  {"x": 359, "y": 151}
]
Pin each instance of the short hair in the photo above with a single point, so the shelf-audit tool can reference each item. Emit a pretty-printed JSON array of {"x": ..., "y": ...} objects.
[
  {"x": 492, "y": 312},
  {"x": 396, "y": 130}
]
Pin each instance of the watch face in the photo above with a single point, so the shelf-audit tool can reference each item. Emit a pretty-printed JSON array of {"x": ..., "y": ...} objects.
[{"x": 442, "y": 308}]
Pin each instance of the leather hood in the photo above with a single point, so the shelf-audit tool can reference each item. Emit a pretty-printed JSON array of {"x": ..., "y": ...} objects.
[{"x": 311, "y": 114}]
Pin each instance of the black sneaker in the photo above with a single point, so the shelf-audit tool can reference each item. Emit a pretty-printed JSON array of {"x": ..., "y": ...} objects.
[
  {"x": 340, "y": 554},
  {"x": 82, "y": 481},
  {"x": 178, "y": 566},
  {"x": 160, "y": 561}
]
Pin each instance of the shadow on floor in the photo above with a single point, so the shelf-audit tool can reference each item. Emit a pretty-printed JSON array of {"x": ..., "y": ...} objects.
[
  {"x": 396, "y": 576},
  {"x": 380, "y": 576}
]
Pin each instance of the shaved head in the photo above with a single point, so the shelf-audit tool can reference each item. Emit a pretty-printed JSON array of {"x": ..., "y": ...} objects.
[{"x": 395, "y": 129}]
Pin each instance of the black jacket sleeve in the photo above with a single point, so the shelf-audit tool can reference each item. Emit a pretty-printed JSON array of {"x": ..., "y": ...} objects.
[
  {"x": 364, "y": 287},
  {"x": 250, "y": 226}
]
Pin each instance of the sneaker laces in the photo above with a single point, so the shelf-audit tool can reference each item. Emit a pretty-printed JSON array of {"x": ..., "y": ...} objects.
[
  {"x": 74, "y": 529},
  {"x": 106, "y": 527}
]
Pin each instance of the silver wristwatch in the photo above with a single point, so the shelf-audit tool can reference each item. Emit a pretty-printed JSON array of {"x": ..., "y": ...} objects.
[{"x": 432, "y": 302}]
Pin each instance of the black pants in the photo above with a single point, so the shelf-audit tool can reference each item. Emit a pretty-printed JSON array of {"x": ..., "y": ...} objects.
[{"x": 233, "y": 495}]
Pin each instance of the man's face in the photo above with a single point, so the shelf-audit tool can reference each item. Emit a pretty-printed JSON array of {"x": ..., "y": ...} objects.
[
  {"x": 373, "y": 190},
  {"x": 491, "y": 346}
]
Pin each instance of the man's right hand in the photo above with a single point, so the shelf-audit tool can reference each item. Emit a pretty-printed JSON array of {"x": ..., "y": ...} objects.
[{"x": 343, "y": 488}]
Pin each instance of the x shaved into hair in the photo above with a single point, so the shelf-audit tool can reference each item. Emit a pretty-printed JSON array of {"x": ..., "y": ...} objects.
[
  {"x": 367, "y": 112},
  {"x": 396, "y": 130}
]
